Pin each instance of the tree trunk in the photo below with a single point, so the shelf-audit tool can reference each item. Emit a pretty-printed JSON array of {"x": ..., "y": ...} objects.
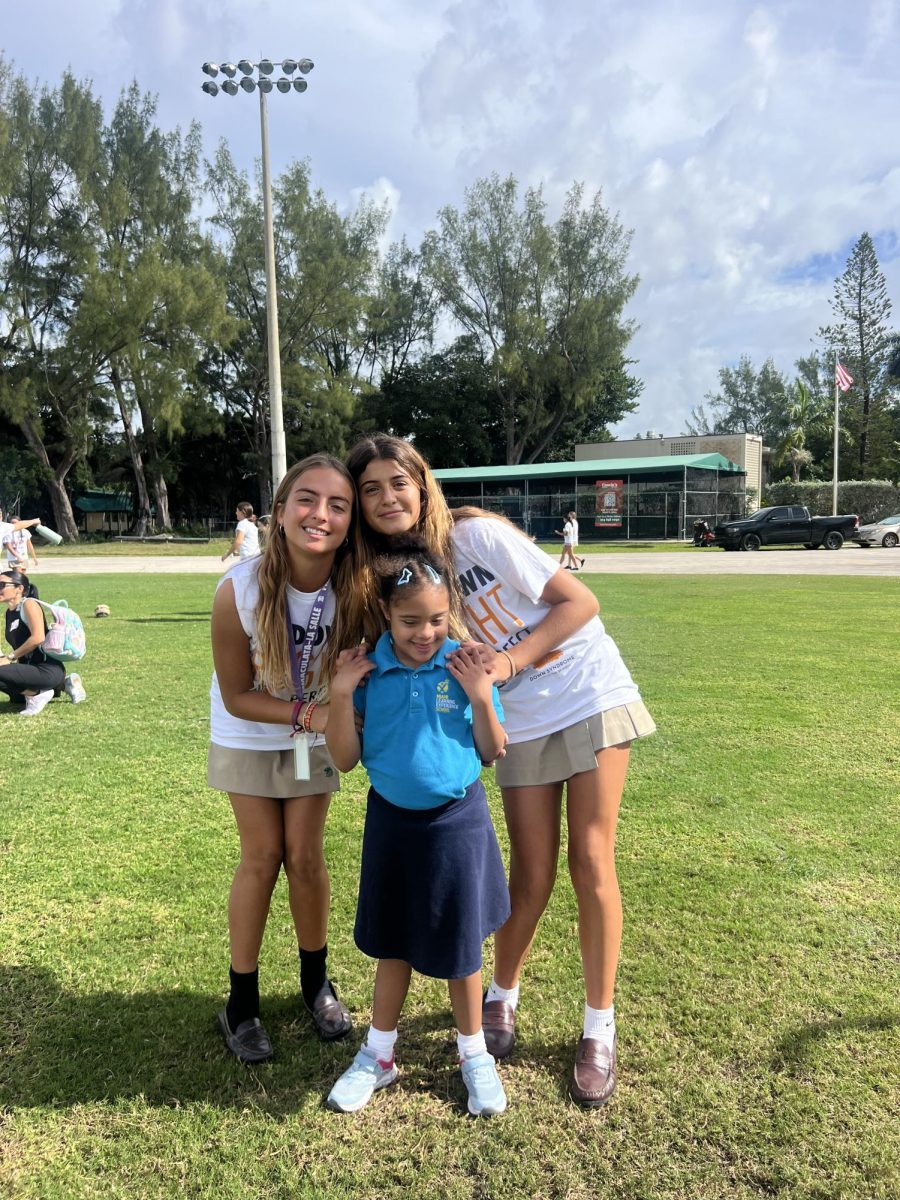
[
  {"x": 141, "y": 523},
  {"x": 154, "y": 462},
  {"x": 864, "y": 430},
  {"x": 63, "y": 516}
]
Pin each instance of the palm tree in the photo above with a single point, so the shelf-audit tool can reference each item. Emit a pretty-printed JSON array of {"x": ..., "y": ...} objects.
[{"x": 807, "y": 417}]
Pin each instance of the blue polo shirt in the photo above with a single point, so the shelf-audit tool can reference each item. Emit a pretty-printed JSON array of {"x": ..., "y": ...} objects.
[{"x": 417, "y": 741}]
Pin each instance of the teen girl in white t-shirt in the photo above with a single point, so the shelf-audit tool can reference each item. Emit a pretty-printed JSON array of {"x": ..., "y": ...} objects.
[
  {"x": 277, "y": 625},
  {"x": 572, "y": 710},
  {"x": 246, "y": 533}
]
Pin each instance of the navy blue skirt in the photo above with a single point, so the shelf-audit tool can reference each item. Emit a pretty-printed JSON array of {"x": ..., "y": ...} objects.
[{"x": 432, "y": 885}]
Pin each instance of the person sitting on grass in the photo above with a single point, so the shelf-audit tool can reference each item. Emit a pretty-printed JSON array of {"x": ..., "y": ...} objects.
[
  {"x": 432, "y": 885},
  {"x": 27, "y": 674}
]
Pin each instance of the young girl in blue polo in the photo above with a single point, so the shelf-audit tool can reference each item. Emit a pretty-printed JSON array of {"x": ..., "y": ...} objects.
[{"x": 432, "y": 885}]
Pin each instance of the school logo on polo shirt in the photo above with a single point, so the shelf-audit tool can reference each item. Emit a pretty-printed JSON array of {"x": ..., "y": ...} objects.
[{"x": 443, "y": 701}]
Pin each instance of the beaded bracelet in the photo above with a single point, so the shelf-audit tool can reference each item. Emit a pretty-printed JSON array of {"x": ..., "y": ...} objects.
[{"x": 307, "y": 716}]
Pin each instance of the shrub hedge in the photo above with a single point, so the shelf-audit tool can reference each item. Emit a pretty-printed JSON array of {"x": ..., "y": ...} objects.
[{"x": 872, "y": 499}]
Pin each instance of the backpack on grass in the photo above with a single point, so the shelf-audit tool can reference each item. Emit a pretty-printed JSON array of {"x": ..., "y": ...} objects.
[{"x": 65, "y": 640}]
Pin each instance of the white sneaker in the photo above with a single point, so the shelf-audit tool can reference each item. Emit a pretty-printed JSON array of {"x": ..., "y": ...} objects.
[
  {"x": 34, "y": 704},
  {"x": 74, "y": 688}
]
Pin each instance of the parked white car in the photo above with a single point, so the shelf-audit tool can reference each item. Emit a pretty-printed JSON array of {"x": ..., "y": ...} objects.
[{"x": 885, "y": 532}]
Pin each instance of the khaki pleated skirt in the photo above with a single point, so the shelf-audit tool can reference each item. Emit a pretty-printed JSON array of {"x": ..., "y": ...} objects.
[
  {"x": 558, "y": 756},
  {"x": 269, "y": 772}
]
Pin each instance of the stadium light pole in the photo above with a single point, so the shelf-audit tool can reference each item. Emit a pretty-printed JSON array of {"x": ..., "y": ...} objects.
[{"x": 262, "y": 83}]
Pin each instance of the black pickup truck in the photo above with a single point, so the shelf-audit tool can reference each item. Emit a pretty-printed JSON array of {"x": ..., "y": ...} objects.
[{"x": 784, "y": 525}]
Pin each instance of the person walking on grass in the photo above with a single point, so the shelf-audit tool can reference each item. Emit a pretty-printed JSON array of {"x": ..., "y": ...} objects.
[
  {"x": 572, "y": 711},
  {"x": 27, "y": 675},
  {"x": 276, "y": 626},
  {"x": 246, "y": 534},
  {"x": 569, "y": 535},
  {"x": 432, "y": 885}
]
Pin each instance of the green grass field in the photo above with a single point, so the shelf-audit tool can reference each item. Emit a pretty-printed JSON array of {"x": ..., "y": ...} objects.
[{"x": 758, "y": 1001}]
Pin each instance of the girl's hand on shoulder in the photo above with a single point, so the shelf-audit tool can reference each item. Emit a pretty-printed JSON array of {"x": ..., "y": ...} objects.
[
  {"x": 467, "y": 668},
  {"x": 352, "y": 668}
]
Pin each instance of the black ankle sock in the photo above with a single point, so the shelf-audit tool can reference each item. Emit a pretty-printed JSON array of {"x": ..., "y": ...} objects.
[
  {"x": 243, "y": 1003},
  {"x": 312, "y": 972}
]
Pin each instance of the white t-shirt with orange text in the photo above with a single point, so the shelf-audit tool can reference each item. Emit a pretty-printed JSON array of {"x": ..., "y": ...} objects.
[{"x": 502, "y": 576}]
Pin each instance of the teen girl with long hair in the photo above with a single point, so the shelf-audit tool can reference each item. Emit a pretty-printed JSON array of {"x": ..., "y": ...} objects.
[{"x": 277, "y": 623}]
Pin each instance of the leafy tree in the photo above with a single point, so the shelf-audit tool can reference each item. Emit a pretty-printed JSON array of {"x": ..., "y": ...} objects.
[
  {"x": 447, "y": 402},
  {"x": 402, "y": 312},
  {"x": 860, "y": 336},
  {"x": 808, "y": 415},
  {"x": 152, "y": 293},
  {"x": 49, "y": 151},
  {"x": 324, "y": 266},
  {"x": 545, "y": 303},
  {"x": 748, "y": 401}
]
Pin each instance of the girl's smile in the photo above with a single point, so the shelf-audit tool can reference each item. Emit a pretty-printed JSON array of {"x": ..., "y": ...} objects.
[
  {"x": 317, "y": 514},
  {"x": 419, "y": 624},
  {"x": 389, "y": 498}
]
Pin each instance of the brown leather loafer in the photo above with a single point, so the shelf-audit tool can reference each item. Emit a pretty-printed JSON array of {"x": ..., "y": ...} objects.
[
  {"x": 594, "y": 1073},
  {"x": 498, "y": 1020},
  {"x": 249, "y": 1042},
  {"x": 330, "y": 1015}
]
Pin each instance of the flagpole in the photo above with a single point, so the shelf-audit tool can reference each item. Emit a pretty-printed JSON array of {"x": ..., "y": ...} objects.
[{"x": 834, "y": 486}]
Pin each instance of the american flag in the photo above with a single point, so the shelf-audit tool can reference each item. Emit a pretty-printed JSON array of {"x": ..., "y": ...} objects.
[{"x": 842, "y": 377}]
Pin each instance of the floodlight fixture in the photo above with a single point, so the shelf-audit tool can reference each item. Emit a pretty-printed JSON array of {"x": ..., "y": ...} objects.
[
  {"x": 283, "y": 85},
  {"x": 228, "y": 69},
  {"x": 305, "y": 65},
  {"x": 249, "y": 85},
  {"x": 211, "y": 89},
  {"x": 230, "y": 87},
  {"x": 266, "y": 66},
  {"x": 210, "y": 69},
  {"x": 245, "y": 66},
  {"x": 300, "y": 85},
  {"x": 289, "y": 65},
  {"x": 265, "y": 85}
]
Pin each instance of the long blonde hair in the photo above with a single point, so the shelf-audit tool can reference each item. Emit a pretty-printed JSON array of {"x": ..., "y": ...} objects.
[
  {"x": 274, "y": 650},
  {"x": 434, "y": 525}
]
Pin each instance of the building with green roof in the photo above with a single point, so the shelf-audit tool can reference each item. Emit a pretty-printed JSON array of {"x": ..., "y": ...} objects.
[{"x": 651, "y": 498}]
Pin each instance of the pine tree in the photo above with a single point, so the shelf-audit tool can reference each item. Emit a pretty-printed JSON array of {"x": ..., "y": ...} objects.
[{"x": 861, "y": 338}]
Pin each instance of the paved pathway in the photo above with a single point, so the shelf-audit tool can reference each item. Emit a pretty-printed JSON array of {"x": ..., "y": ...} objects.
[{"x": 851, "y": 560}]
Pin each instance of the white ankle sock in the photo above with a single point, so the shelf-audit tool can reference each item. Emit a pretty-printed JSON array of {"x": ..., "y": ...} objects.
[
  {"x": 600, "y": 1023},
  {"x": 470, "y": 1044},
  {"x": 381, "y": 1043},
  {"x": 509, "y": 995}
]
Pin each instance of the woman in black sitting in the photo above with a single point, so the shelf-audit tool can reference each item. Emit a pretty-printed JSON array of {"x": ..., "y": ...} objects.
[{"x": 26, "y": 673}]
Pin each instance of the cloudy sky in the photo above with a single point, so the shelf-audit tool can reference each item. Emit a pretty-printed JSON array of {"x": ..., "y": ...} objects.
[{"x": 747, "y": 145}]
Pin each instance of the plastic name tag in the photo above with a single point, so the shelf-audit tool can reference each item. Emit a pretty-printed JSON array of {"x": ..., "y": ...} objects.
[{"x": 301, "y": 758}]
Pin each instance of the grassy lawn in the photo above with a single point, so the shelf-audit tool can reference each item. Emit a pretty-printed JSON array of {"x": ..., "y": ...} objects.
[{"x": 758, "y": 1005}]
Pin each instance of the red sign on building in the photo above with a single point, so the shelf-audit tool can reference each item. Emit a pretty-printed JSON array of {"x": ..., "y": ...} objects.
[{"x": 609, "y": 504}]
